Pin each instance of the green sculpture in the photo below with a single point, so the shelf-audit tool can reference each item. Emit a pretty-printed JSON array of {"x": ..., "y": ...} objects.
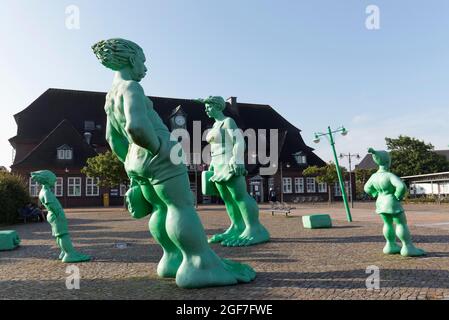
[
  {"x": 389, "y": 191},
  {"x": 142, "y": 142},
  {"x": 56, "y": 217},
  {"x": 227, "y": 171}
]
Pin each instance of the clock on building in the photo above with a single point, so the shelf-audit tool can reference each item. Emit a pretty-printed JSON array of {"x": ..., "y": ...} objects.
[{"x": 180, "y": 120}]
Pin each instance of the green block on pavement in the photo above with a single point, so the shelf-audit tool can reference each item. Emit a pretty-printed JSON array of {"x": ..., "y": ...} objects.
[
  {"x": 9, "y": 240},
  {"x": 317, "y": 221}
]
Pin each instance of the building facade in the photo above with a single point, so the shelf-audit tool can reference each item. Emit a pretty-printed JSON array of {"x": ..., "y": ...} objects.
[{"x": 61, "y": 129}]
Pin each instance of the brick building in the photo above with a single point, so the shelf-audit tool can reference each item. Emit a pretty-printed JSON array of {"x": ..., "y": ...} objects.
[{"x": 61, "y": 129}]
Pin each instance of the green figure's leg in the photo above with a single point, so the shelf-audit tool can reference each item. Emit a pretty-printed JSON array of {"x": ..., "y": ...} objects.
[
  {"x": 172, "y": 257},
  {"x": 62, "y": 254},
  {"x": 200, "y": 267},
  {"x": 390, "y": 235},
  {"x": 237, "y": 223},
  {"x": 71, "y": 255},
  {"x": 403, "y": 233},
  {"x": 254, "y": 232}
]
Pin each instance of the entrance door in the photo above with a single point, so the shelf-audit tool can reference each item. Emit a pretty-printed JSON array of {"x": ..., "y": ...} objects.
[{"x": 256, "y": 190}]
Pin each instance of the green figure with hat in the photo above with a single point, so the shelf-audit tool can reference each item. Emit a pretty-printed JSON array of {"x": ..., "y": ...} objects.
[
  {"x": 56, "y": 217},
  {"x": 389, "y": 191}
]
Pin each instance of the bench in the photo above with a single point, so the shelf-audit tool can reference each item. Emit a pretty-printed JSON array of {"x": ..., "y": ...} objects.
[{"x": 278, "y": 207}]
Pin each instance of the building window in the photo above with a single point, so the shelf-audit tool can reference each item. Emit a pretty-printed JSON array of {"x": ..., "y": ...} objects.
[
  {"x": 35, "y": 188},
  {"x": 311, "y": 186},
  {"x": 58, "y": 189},
  {"x": 337, "y": 189},
  {"x": 299, "y": 185},
  {"x": 89, "y": 125},
  {"x": 92, "y": 189},
  {"x": 74, "y": 187},
  {"x": 270, "y": 183},
  {"x": 287, "y": 185},
  {"x": 65, "y": 153},
  {"x": 322, "y": 187},
  {"x": 300, "y": 158},
  {"x": 123, "y": 189}
]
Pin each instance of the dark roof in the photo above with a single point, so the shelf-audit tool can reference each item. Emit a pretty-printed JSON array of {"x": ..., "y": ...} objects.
[
  {"x": 47, "y": 111},
  {"x": 368, "y": 162},
  {"x": 44, "y": 154},
  {"x": 443, "y": 153}
]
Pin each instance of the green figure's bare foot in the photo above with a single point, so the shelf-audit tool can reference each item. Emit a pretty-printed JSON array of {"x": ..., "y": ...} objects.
[
  {"x": 232, "y": 232},
  {"x": 249, "y": 237},
  {"x": 75, "y": 257},
  {"x": 392, "y": 248},
  {"x": 411, "y": 251},
  {"x": 169, "y": 265},
  {"x": 211, "y": 271},
  {"x": 61, "y": 255}
]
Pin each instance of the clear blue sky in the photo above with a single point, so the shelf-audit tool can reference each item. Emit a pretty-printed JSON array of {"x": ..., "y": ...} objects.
[{"x": 313, "y": 61}]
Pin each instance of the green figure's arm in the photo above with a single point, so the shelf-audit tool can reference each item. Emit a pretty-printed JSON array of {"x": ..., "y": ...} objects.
[
  {"x": 119, "y": 144},
  {"x": 238, "y": 151},
  {"x": 51, "y": 203},
  {"x": 138, "y": 124},
  {"x": 400, "y": 187},
  {"x": 369, "y": 188}
]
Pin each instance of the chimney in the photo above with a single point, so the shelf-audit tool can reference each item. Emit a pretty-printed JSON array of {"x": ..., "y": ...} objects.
[{"x": 88, "y": 137}]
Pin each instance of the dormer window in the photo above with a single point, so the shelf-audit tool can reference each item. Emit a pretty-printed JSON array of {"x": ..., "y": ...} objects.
[
  {"x": 65, "y": 153},
  {"x": 89, "y": 125},
  {"x": 300, "y": 158}
]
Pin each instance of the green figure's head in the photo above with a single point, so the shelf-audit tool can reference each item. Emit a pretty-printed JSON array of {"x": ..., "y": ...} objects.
[
  {"x": 44, "y": 177},
  {"x": 381, "y": 158},
  {"x": 214, "y": 106},
  {"x": 122, "y": 55}
]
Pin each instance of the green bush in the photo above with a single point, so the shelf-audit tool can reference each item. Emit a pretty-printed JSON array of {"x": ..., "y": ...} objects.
[{"x": 13, "y": 196}]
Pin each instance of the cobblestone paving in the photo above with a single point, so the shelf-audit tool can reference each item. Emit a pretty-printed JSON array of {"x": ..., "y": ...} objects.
[{"x": 296, "y": 264}]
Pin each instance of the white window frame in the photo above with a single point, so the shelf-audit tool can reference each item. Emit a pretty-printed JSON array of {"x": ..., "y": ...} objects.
[
  {"x": 299, "y": 185},
  {"x": 61, "y": 154},
  {"x": 58, "y": 190},
  {"x": 74, "y": 182},
  {"x": 287, "y": 185},
  {"x": 123, "y": 189},
  {"x": 271, "y": 183},
  {"x": 93, "y": 184},
  {"x": 322, "y": 187},
  {"x": 311, "y": 185},
  {"x": 65, "y": 153},
  {"x": 68, "y": 153},
  {"x": 34, "y": 188}
]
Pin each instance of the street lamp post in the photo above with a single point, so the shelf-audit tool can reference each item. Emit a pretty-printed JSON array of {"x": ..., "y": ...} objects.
[
  {"x": 329, "y": 134},
  {"x": 350, "y": 156}
]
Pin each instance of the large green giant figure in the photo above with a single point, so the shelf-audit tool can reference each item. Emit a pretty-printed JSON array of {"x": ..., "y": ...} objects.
[
  {"x": 56, "y": 217},
  {"x": 228, "y": 168},
  {"x": 141, "y": 141},
  {"x": 389, "y": 191}
]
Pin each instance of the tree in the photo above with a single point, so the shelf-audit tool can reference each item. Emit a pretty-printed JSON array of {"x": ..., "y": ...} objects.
[
  {"x": 13, "y": 196},
  {"x": 411, "y": 156},
  {"x": 327, "y": 174},
  {"x": 361, "y": 177},
  {"x": 107, "y": 168}
]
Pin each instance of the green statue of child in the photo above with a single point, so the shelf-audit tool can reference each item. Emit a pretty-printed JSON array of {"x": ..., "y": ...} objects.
[
  {"x": 389, "y": 191},
  {"x": 56, "y": 217}
]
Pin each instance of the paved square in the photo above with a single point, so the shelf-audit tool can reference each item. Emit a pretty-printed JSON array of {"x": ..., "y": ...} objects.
[{"x": 297, "y": 264}]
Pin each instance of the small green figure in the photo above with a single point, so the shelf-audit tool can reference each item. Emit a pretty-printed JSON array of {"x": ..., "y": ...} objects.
[
  {"x": 140, "y": 139},
  {"x": 56, "y": 217},
  {"x": 390, "y": 190},
  {"x": 228, "y": 167}
]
